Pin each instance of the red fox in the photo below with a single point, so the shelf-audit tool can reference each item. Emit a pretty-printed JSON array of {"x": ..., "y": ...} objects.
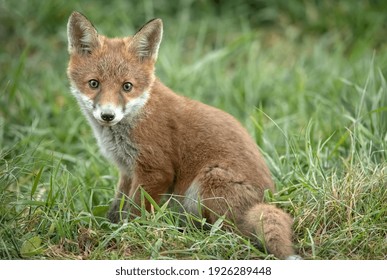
[{"x": 166, "y": 143}]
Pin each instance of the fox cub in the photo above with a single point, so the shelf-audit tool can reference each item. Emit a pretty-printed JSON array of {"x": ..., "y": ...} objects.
[{"x": 166, "y": 143}]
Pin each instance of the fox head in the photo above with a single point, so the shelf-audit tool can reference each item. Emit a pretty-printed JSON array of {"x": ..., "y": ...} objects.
[{"x": 111, "y": 78}]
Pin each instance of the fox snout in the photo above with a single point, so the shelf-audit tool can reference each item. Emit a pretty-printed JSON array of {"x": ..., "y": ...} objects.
[{"x": 107, "y": 115}]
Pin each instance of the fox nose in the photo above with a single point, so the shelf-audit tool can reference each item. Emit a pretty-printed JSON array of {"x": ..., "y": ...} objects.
[{"x": 107, "y": 116}]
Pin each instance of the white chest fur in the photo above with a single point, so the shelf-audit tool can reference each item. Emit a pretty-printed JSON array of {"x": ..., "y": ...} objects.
[{"x": 115, "y": 144}]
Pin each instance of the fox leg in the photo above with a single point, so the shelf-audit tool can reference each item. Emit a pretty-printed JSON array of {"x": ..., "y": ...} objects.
[
  {"x": 123, "y": 189},
  {"x": 156, "y": 184},
  {"x": 222, "y": 193}
]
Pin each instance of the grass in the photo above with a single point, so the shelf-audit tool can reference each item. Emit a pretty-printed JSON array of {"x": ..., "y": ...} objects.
[{"x": 307, "y": 80}]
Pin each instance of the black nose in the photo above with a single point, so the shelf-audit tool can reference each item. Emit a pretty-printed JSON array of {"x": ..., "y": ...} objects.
[{"x": 107, "y": 117}]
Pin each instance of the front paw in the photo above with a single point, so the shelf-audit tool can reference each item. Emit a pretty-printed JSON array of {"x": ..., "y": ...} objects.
[{"x": 116, "y": 212}]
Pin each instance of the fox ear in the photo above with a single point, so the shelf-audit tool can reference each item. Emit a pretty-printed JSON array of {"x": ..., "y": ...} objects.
[
  {"x": 146, "y": 42},
  {"x": 81, "y": 34}
]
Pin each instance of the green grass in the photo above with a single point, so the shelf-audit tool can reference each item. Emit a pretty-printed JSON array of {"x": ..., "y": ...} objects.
[{"x": 306, "y": 79}]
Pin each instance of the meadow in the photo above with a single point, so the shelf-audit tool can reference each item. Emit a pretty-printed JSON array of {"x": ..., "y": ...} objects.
[{"x": 306, "y": 78}]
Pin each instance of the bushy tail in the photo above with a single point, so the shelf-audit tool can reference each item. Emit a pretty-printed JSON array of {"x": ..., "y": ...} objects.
[{"x": 273, "y": 227}]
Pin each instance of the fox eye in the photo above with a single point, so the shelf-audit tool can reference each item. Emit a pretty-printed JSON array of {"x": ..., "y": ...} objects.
[
  {"x": 93, "y": 83},
  {"x": 127, "y": 86}
]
